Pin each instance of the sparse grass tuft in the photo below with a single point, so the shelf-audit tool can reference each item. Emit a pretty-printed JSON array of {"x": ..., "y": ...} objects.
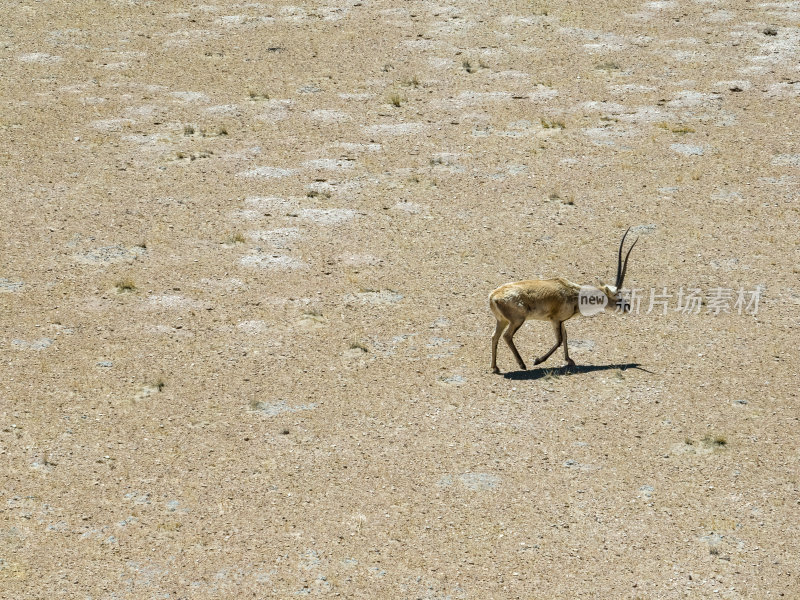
[
  {"x": 160, "y": 384},
  {"x": 713, "y": 551},
  {"x": 412, "y": 81},
  {"x": 682, "y": 129},
  {"x": 395, "y": 99},
  {"x": 553, "y": 124},
  {"x": 540, "y": 9},
  {"x": 257, "y": 96},
  {"x": 188, "y": 130},
  {"x": 467, "y": 66},
  {"x": 356, "y": 345},
  {"x": 716, "y": 440},
  {"x": 609, "y": 65},
  {"x": 551, "y": 375},
  {"x": 125, "y": 285}
]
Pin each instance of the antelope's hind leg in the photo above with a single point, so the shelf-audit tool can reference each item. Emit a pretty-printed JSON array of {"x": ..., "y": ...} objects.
[
  {"x": 559, "y": 339},
  {"x": 501, "y": 325},
  {"x": 570, "y": 362}
]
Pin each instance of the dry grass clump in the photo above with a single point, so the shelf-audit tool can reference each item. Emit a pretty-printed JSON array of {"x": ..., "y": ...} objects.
[{"x": 125, "y": 285}]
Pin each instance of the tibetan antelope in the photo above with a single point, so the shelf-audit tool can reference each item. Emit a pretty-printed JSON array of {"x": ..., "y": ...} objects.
[{"x": 554, "y": 300}]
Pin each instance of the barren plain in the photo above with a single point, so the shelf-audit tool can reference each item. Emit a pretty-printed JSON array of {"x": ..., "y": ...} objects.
[{"x": 246, "y": 254}]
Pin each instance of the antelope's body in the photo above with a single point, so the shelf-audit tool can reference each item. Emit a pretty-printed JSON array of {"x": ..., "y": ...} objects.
[{"x": 554, "y": 300}]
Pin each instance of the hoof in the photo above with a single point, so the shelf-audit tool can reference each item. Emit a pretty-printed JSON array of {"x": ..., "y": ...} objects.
[
  {"x": 495, "y": 370},
  {"x": 538, "y": 361},
  {"x": 570, "y": 362}
]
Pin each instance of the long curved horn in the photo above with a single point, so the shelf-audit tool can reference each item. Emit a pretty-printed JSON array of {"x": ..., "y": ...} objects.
[
  {"x": 625, "y": 266},
  {"x": 619, "y": 260}
]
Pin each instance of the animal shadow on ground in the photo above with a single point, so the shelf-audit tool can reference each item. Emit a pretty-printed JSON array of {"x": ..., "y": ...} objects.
[{"x": 539, "y": 372}]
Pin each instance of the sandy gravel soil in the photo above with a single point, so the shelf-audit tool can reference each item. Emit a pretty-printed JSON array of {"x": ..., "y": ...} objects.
[{"x": 246, "y": 252}]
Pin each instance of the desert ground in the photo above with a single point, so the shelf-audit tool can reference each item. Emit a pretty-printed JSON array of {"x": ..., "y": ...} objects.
[{"x": 246, "y": 255}]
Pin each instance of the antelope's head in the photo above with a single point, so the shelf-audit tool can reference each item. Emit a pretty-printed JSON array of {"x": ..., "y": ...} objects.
[{"x": 615, "y": 298}]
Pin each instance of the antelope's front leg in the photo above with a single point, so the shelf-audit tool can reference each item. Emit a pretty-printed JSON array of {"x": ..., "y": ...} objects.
[
  {"x": 570, "y": 362},
  {"x": 508, "y": 336}
]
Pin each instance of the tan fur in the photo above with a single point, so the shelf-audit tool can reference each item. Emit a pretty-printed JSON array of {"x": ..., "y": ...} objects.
[{"x": 554, "y": 300}]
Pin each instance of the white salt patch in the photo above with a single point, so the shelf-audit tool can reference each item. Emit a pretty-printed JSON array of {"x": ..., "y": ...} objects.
[
  {"x": 356, "y": 96},
  {"x": 111, "y": 124},
  {"x": 409, "y": 207},
  {"x": 479, "y": 481},
  {"x": 270, "y": 203},
  {"x": 6, "y": 285},
  {"x": 231, "y": 20},
  {"x": 252, "y": 327},
  {"x": 329, "y": 116},
  {"x": 660, "y": 5},
  {"x": 511, "y": 74},
  {"x": 171, "y": 301},
  {"x": 110, "y": 254},
  {"x": 395, "y": 129},
  {"x": 375, "y": 297},
  {"x": 272, "y": 261},
  {"x": 185, "y": 38},
  {"x": 720, "y": 16},
  {"x": 647, "y": 114},
  {"x": 224, "y": 109},
  {"x": 472, "y": 97},
  {"x": 438, "y": 62},
  {"x": 688, "y": 149},
  {"x": 279, "y": 407},
  {"x": 627, "y": 88},
  {"x": 269, "y": 172},
  {"x": 687, "y": 98},
  {"x": 604, "y": 107},
  {"x": 277, "y": 238},
  {"x": 293, "y": 13},
  {"x": 328, "y": 164},
  {"x": 40, "y": 58},
  {"x": 784, "y": 89},
  {"x": 328, "y": 216},
  {"x": 190, "y": 96},
  {"x": 788, "y": 160},
  {"x": 357, "y": 147},
  {"x": 541, "y": 92},
  {"x": 360, "y": 260},
  {"x": 39, "y": 344}
]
